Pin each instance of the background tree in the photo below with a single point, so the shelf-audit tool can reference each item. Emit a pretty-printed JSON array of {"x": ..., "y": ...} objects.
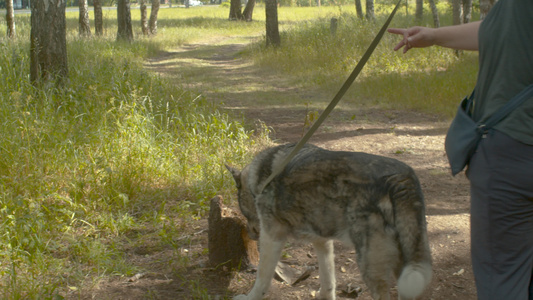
[
  {"x": 419, "y": 11},
  {"x": 457, "y": 12},
  {"x": 10, "y": 19},
  {"x": 435, "y": 12},
  {"x": 249, "y": 10},
  {"x": 84, "y": 29},
  {"x": 467, "y": 11},
  {"x": 48, "y": 47},
  {"x": 272, "y": 26},
  {"x": 235, "y": 10},
  {"x": 144, "y": 17},
  {"x": 484, "y": 7},
  {"x": 370, "y": 9},
  {"x": 153, "y": 17},
  {"x": 98, "y": 18},
  {"x": 359, "y": 8},
  {"x": 125, "y": 31}
]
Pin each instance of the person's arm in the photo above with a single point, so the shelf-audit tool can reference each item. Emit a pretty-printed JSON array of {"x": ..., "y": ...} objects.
[{"x": 460, "y": 37}]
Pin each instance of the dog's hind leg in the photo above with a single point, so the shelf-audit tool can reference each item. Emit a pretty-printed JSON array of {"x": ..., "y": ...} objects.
[
  {"x": 377, "y": 257},
  {"x": 269, "y": 254},
  {"x": 326, "y": 268}
]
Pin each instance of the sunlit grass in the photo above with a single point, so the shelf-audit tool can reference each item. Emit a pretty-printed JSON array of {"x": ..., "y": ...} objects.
[{"x": 119, "y": 150}]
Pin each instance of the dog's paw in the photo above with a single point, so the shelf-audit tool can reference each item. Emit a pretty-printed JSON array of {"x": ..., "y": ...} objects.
[{"x": 240, "y": 297}]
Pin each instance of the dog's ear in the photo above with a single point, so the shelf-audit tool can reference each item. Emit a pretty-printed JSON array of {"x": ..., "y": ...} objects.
[{"x": 236, "y": 175}]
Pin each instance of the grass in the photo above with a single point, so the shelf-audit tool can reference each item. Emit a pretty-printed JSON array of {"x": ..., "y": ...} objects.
[
  {"x": 414, "y": 80},
  {"x": 122, "y": 157}
]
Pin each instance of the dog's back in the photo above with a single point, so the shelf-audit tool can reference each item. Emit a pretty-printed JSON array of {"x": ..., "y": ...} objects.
[{"x": 372, "y": 201}]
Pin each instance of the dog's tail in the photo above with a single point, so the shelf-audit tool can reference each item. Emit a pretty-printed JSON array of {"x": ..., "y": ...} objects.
[
  {"x": 410, "y": 222},
  {"x": 413, "y": 280}
]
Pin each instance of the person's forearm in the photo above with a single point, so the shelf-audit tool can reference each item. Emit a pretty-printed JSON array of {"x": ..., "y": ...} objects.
[{"x": 460, "y": 37}]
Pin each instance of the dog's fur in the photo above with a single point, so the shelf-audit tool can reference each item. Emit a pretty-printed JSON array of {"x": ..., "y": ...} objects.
[{"x": 372, "y": 202}]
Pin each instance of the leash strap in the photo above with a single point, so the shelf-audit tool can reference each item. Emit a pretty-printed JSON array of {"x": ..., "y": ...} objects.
[{"x": 335, "y": 100}]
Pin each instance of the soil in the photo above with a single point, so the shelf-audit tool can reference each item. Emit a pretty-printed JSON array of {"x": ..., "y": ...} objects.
[{"x": 243, "y": 90}]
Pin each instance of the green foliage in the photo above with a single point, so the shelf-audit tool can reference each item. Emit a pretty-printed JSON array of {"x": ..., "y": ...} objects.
[
  {"x": 84, "y": 165},
  {"x": 414, "y": 80}
]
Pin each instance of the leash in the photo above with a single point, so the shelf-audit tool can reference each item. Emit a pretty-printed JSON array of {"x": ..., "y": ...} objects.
[{"x": 335, "y": 100}]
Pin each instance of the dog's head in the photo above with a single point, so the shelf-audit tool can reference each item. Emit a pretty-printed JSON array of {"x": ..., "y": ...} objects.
[{"x": 246, "y": 200}]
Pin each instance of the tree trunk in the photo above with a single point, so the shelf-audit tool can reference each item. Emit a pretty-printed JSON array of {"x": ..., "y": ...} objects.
[
  {"x": 359, "y": 8},
  {"x": 457, "y": 11},
  {"x": 484, "y": 7},
  {"x": 144, "y": 17},
  {"x": 467, "y": 11},
  {"x": 125, "y": 31},
  {"x": 419, "y": 12},
  {"x": 272, "y": 28},
  {"x": 249, "y": 10},
  {"x": 98, "y": 18},
  {"x": 370, "y": 9},
  {"x": 435, "y": 12},
  {"x": 84, "y": 29},
  {"x": 153, "y": 17},
  {"x": 235, "y": 10},
  {"x": 10, "y": 19},
  {"x": 48, "y": 49}
]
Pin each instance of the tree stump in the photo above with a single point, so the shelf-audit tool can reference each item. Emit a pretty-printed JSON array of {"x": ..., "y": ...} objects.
[{"x": 228, "y": 240}]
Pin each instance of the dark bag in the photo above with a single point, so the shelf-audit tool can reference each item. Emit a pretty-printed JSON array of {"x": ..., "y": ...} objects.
[{"x": 464, "y": 133}]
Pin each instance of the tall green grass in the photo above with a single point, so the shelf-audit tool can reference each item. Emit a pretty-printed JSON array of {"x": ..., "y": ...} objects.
[
  {"x": 116, "y": 150},
  {"x": 431, "y": 79}
]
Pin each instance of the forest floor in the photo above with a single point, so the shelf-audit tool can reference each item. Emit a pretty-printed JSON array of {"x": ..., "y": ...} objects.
[{"x": 215, "y": 69}]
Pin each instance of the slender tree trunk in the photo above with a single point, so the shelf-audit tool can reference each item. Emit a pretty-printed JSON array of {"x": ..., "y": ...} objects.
[
  {"x": 144, "y": 17},
  {"x": 419, "y": 12},
  {"x": 272, "y": 26},
  {"x": 48, "y": 48},
  {"x": 484, "y": 7},
  {"x": 235, "y": 10},
  {"x": 98, "y": 18},
  {"x": 435, "y": 12},
  {"x": 10, "y": 19},
  {"x": 249, "y": 10},
  {"x": 467, "y": 11},
  {"x": 125, "y": 31},
  {"x": 457, "y": 11},
  {"x": 153, "y": 17},
  {"x": 359, "y": 8},
  {"x": 84, "y": 28},
  {"x": 370, "y": 9}
]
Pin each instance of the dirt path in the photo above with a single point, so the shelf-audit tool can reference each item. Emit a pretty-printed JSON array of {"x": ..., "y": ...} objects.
[{"x": 244, "y": 89}]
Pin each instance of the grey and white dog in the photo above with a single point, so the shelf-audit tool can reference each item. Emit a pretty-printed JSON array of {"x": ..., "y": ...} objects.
[{"x": 372, "y": 202}]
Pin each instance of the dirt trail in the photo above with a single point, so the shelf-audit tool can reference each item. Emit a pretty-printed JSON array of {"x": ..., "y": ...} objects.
[{"x": 244, "y": 89}]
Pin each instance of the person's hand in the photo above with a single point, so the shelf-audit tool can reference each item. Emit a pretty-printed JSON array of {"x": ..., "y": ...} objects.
[{"x": 414, "y": 37}]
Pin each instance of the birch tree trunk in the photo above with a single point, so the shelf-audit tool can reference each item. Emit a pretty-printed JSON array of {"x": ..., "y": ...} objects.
[
  {"x": 98, "y": 18},
  {"x": 10, "y": 19},
  {"x": 125, "y": 31},
  {"x": 435, "y": 12},
  {"x": 370, "y": 9},
  {"x": 419, "y": 12},
  {"x": 48, "y": 45},
  {"x": 484, "y": 7},
  {"x": 272, "y": 26},
  {"x": 144, "y": 17},
  {"x": 359, "y": 8},
  {"x": 84, "y": 28},
  {"x": 249, "y": 10},
  {"x": 153, "y": 17}
]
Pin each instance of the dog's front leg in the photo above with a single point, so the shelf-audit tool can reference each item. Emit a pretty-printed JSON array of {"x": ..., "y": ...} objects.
[
  {"x": 269, "y": 254},
  {"x": 326, "y": 268}
]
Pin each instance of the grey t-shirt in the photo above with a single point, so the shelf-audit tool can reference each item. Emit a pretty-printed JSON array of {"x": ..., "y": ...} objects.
[{"x": 506, "y": 66}]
